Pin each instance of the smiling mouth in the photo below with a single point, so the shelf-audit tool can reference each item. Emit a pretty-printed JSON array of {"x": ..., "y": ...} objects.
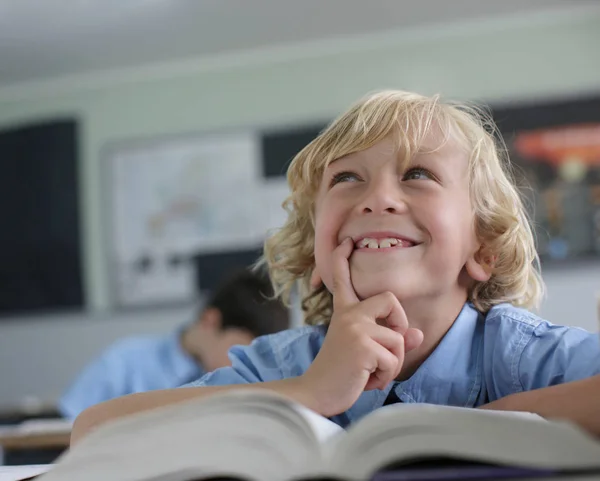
[{"x": 382, "y": 244}]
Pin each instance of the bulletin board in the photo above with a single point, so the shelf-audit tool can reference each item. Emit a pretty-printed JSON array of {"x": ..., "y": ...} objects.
[{"x": 555, "y": 146}]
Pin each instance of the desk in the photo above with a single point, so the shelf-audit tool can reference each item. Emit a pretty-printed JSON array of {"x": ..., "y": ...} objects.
[
  {"x": 10, "y": 416},
  {"x": 33, "y": 446},
  {"x": 35, "y": 441}
]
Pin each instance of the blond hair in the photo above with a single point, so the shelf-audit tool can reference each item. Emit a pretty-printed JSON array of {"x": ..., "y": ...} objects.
[{"x": 501, "y": 221}]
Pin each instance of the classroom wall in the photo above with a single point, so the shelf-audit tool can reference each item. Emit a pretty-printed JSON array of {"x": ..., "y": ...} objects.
[{"x": 498, "y": 60}]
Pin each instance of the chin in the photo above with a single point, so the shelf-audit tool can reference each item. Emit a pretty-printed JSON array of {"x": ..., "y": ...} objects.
[{"x": 367, "y": 286}]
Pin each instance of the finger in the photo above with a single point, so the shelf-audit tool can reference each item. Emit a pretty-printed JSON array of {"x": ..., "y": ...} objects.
[
  {"x": 385, "y": 372},
  {"x": 413, "y": 338},
  {"x": 343, "y": 291},
  {"x": 393, "y": 342},
  {"x": 315, "y": 279},
  {"x": 387, "y": 307},
  {"x": 396, "y": 319},
  {"x": 375, "y": 383}
]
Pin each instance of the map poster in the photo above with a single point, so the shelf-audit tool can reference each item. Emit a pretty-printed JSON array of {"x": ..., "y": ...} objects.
[{"x": 178, "y": 199}]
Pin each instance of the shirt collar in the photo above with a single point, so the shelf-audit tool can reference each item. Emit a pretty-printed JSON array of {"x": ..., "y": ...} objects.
[{"x": 451, "y": 375}]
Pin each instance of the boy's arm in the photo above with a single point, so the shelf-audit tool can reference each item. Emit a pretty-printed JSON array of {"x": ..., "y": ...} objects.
[
  {"x": 134, "y": 403},
  {"x": 103, "y": 378},
  {"x": 576, "y": 401},
  {"x": 557, "y": 371}
]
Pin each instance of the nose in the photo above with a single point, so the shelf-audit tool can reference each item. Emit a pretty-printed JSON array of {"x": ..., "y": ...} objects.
[{"x": 383, "y": 196}]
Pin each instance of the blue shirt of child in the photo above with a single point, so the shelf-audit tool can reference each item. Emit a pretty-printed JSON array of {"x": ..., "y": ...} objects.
[
  {"x": 131, "y": 365},
  {"x": 480, "y": 359}
]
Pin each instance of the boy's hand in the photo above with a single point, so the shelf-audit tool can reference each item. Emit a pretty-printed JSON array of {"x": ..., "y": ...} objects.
[{"x": 359, "y": 353}]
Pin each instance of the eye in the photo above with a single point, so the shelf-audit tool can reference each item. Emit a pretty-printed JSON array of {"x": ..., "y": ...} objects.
[
  {"x": 418, "y": 173},
  {"x": 344, "y": 177}
]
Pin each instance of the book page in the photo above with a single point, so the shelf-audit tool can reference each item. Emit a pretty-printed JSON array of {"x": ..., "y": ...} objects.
[
  {"x": 323, "y": 428},
  {"x": 405, "y": 432},
  {"x": 19, "y": 473},
  {"x": 246, "y": 433}
]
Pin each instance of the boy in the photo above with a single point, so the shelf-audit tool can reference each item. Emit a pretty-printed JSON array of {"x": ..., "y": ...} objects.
[
  {"x": 415, "y": 260},
  {"x": 238, "y": 311}
]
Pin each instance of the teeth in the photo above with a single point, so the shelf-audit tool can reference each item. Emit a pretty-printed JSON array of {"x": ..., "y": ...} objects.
[{"x": 378, "y": 244}]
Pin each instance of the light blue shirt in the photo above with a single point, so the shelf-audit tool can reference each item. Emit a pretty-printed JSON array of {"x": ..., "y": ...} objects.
[
  {"x": 128, "y": 366},
  {"x": 480, "y": 359}
]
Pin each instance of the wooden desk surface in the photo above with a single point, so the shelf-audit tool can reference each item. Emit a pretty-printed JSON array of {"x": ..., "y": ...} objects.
[
  {"x": 15, "y": 441},
  {"x": 36, "y": 434}
]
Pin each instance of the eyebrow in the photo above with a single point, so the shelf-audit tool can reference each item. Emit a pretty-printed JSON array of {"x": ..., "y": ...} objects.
[{"x": 339, "y": 159}]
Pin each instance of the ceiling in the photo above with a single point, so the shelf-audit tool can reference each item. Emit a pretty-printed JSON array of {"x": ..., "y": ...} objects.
[{"x": 49, "y": 38}]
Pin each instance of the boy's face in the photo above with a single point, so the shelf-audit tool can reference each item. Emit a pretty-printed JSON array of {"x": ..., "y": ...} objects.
[
  {"x": 412, "y": 225},
  {"x": 209, "y": 342}
]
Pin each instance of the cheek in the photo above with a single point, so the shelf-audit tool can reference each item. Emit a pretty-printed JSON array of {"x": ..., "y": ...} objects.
[
  {"x": 324, "y": 233},
  {"x": 327, "y": 226},
  {"x": 460, "y": 234},
  {"x": 323, "y": 249},
  {"x": 451, "y": 225}
]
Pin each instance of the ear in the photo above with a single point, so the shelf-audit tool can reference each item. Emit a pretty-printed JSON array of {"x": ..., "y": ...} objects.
[
  {"x": 315, "y": 279},
  {"x": 211, "y": 319},
  {"x": 480, "y": 265}
]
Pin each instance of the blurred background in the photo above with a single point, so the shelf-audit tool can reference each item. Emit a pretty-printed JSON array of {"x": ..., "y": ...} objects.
[{"x": 144, "y": 145}]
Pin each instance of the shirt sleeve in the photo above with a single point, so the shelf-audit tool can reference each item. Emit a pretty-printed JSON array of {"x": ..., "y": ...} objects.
[
  {"x": 258, "y": 362},
  {"x": 558, "y": 354},
  {"x": 101, "y": 380}
]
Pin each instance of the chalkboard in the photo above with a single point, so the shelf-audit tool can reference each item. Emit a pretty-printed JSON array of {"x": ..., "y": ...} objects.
[
  {"x": 212, "y": 268},
  {"x": 279, "y": 147},
  {"x": 40, "y": 254}
]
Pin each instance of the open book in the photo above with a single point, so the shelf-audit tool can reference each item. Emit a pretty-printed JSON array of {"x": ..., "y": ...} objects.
[
  {"x": 255, "y": 434},
  {"x": 22, "y": 473}
]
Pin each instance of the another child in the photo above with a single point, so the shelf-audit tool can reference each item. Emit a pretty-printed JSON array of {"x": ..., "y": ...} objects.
[
  {"x": 416, "y": 260},
  {"x": 240, "y": 309}
]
